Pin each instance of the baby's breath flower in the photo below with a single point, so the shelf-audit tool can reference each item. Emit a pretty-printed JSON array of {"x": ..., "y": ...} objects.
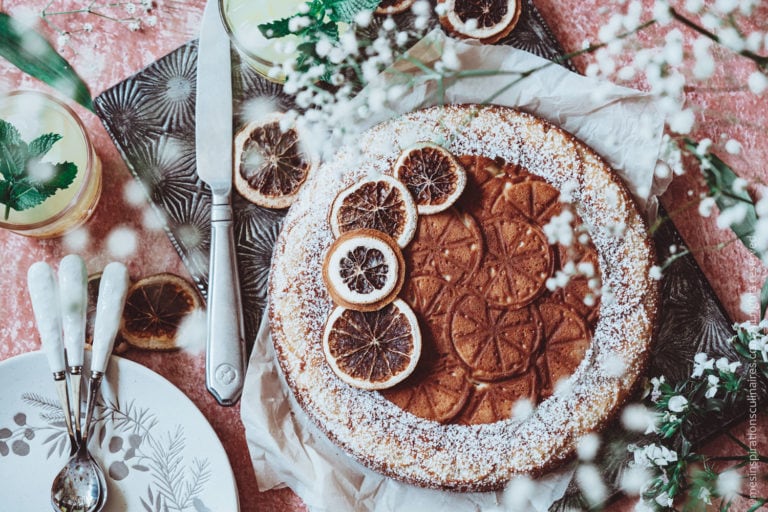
[
  {"x": 677, "y": 403},
  {"x": 712, "y": 382},
  {"x": 701, "y": 363},
  {"x": 757, "y": 82}
]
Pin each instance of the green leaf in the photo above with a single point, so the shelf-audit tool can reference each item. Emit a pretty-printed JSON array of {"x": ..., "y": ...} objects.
[
  {"x": 764, "y": 299},
  {"x": 64, "y": 175},
  {"x": 30, "y": 52},
  {"x": 346, "y": 10},
  {"x": 720, "y": 179},
  {"x": 331, "y": 30},
  {"x": 43, "y": 144},
  {"x": 759, "y": 503},
  {"x": 277, "y": 28},
  {"x": 9, "y": 134}
]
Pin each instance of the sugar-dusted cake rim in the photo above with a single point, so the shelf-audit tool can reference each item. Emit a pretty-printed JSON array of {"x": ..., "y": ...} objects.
[{"x": 478, "y": 457}]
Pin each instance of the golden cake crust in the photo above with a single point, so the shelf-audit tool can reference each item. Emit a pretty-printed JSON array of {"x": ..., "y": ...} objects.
[{"x": 480, "y": 457}]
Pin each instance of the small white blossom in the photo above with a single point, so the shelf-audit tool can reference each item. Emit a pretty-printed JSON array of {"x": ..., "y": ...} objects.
[
  {"x": 653, "y": 455},
  {"x": 587, "y": 447},
  {"x": 712, "y": 382},
  {"x": 639, "y": 418},
  {"x": 656, "y": 383},
  {"x": 728, "y": 483},
  {"x": 682, "y": 121},
  {"x": 726, "y": 366},
  {"x": 700, "y": 363},
  {"x": 559, "y": 229},
  {"x": 677, "y": 403},
  {"x": 705, "y": 495},
  {"x": 297, "y": 23},
  {"x": 663, "y": 500},
  {"x": 757, "y": 82},
  {"x": 655, "y": 273},
  {"x": 88, "y": 27},
  {"x": 706, "y": 206},
  {"x": 732, "y": 215},
  {"x": 134, "y": 25},
  {"x": 591, "y": 483},
  {"x": 130, "y": 8}
]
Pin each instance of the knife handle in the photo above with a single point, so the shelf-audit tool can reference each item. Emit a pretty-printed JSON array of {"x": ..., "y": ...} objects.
[{"x": 225, "y": 348}]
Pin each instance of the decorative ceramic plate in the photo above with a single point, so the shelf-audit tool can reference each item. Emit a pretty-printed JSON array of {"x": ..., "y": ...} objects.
[{"x": 157, "y": 457}]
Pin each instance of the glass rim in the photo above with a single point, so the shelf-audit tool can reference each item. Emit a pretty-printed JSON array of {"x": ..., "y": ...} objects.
[
  {"x": 89, "y": 164},
  {"x": 244, "y": 51}
]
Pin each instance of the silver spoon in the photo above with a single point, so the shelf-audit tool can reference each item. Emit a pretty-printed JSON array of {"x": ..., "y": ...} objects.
[
  {"x": 81, "y": 485},
  {"x": 73, "y": 293},
  {"x": 45, "y": 304}
]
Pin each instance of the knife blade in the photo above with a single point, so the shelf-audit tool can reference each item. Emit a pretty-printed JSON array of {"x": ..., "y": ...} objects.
[{"x": 225, "y": 348}]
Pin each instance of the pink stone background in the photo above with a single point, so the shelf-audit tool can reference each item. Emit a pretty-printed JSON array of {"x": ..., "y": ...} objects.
[{"x": 111, "y": 53}]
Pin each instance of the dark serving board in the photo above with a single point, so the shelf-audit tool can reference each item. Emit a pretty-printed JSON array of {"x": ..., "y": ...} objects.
[{"x": 150, "y": 117}]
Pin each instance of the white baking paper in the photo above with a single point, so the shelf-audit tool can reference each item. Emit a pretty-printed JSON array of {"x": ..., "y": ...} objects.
[{"x": 621, "y": 124}]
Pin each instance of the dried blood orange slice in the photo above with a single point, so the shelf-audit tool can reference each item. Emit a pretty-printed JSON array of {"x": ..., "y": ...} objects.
[
  {"x": 494, "y": 343},
  {"x": 270, "y": 165},
  {"x": 448, "y": 245},
  {"x": 493, "y": 401},
  {"x": 154, "y": 309},
  {"x": 485, "y": 20},
  {"x": 364, "y": 270},
  {"x": 519, "y": 261},
  {"x": 372, "y": 350},
  {"x": 567, "y": 339},
  {"x": 393, "y": 6},
  {"x": 433, "y": 176},
  {"x": 381, "y": 203}
]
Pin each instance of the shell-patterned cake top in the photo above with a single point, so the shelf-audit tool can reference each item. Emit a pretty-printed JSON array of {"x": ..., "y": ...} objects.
[
  {"x": 482, "y": 277},
  {"x": 476, "y": 280}
]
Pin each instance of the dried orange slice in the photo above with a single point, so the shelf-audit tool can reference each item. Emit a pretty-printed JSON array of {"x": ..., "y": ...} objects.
[
  {"x": 519, "y": 262},
  {"x": 567, "y": 339},
  {"x": 393, "y": 6},
  {"x": 448, "y": 245},
  {"x": 381, "y": 203},
  {"x": 270, "y": 165},
  {"x": 493, "y": 401},
  {"x": 485, "y": 20},
  {"x": 372, "y": 350},
  {"x": 364, "y": 270},
  {"x": 494, "y": 343},
  {"x": 433, "y": 176},
  {"x": 154, "y": 309}
]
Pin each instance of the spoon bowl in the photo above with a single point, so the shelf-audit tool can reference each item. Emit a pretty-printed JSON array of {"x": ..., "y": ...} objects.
[{"x": 80, "y": 485}]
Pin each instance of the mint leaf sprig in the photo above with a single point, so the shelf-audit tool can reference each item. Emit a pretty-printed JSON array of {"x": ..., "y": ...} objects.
[
  {"x": 27, "y": 180},
  {"x": 317, "y": 20}
]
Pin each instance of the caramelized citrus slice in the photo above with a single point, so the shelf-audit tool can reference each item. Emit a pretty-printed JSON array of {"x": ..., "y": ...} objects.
[
  {"x": 270, "y": 165},
  {"x": 381, "y": 203},
  {"x": 439, "y": 387},
  {"x": 372, "y": 350},
  {"x": 393, "y": 6},
  {"x": 577, "y": 293},
  {"x": 154, "y": 308},
  {"x": 566, "y": 342},
  {"x": 364, "y": 270},
  {"x": 437, "y": 390},
  {"x": 536, "y": 199},
  {"x": 448, "y": 245},
  {"x": 485, "y": 20},
  {"x": 518, "y": 263},
  {"x": 493, "y": 401},
  {"x": 433, "y": 176},
  {"x": 494, "y": 342}
]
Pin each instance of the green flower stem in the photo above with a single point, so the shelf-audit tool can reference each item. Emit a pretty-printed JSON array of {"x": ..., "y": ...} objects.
[{"x": 760, "y": 60}]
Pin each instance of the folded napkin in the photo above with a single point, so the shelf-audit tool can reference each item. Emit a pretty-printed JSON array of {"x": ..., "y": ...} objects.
[{"x": 621, "y": 124}]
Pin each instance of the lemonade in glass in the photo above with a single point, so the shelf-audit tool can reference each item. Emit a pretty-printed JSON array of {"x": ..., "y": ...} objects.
[
  {"x": 242, "y": 18},
  {"x": 33, "y": 114}
]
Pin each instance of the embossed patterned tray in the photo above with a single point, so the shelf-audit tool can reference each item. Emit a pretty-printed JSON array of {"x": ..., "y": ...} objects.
[{"x": 150, "y": 117}]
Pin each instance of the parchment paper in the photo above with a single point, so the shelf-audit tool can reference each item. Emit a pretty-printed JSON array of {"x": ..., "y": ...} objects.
[{"x": 621, "y": 124}]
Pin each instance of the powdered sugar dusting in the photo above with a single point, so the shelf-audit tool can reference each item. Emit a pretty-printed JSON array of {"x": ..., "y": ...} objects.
[{"x": 477, "y": 457}]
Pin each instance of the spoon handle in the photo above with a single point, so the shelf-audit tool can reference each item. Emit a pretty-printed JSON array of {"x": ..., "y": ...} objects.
[
  {"x": 45, "y": 304},
  {"x": 73, "y": 291},
  {"x": 109, "y": 311}
]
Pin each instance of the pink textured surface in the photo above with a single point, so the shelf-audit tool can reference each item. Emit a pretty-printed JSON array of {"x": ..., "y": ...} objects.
[{"x": 111, "y": 53}]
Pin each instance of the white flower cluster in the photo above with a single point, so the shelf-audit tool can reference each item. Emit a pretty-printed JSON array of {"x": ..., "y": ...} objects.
[
  {"x": 133, "y": 15},
  {"x": 652, "y": 455},
  {"x": 758, "y": 337}
]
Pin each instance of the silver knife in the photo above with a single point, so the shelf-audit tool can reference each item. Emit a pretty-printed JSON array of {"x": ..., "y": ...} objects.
[{"x": 225, "y": 348}]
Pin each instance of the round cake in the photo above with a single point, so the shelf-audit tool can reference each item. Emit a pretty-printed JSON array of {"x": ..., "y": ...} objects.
[{"x": 480, "y": 276}]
